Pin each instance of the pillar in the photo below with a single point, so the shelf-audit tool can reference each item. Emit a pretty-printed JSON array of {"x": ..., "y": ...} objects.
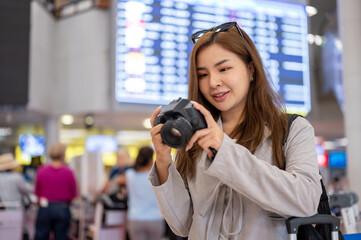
[{"x": 349, "y": 22}]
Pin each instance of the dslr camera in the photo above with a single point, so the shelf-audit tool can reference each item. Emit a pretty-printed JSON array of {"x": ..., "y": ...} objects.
[{"x": 181, "y": 120}]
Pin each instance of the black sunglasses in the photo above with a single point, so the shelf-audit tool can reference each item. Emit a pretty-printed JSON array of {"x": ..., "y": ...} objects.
[{"x": 221, "y": 28}]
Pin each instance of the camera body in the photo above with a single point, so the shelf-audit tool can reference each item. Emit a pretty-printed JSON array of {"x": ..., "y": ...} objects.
[{"x": 181, "y": 120}]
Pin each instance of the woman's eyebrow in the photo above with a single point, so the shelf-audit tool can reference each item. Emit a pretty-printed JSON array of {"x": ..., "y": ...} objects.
[
  {"x": 215, "y": 65},
  {"x": 221, "y": 62}
]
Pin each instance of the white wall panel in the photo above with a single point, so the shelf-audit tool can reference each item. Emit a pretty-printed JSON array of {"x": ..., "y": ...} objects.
[
  {"x": 41, "y": 64},
  {"x": 69, "y": 62}
]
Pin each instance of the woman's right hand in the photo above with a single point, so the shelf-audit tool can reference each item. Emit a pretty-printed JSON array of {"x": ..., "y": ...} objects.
[{"x": 162, "y": 151}]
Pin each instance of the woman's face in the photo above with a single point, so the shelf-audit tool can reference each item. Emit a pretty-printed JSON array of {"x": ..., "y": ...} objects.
[{"x": 224, "y": 79}]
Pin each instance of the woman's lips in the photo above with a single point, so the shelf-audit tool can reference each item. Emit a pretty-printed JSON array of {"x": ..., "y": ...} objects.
[{"x": 220, "y": 96}]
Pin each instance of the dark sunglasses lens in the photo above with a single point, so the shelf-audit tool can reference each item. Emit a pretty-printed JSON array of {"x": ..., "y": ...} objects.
[
  {"x": 226, "y": 26},
  {"x": 221, "y": 28},
  {"x": 198, "y": 34}
]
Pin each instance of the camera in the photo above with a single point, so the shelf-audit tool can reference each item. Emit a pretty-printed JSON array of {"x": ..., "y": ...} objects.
[{"x": 181, "y": 120}]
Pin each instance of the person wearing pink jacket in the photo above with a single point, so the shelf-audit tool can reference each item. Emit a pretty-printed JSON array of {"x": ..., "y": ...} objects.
[{"x": 55, "y": 187}]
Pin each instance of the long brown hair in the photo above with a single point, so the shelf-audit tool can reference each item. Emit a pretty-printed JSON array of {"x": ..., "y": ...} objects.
[
  {"x": 263, "y": 106},
  {"x": 145, "y": 156}
]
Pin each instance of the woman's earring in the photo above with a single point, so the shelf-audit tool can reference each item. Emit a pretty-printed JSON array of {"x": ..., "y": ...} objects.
[{"x": 251, "y": 78}]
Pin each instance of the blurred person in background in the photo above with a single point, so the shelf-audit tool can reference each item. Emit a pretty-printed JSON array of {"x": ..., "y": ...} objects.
[
  {"x": 145, "y": 221},
  {"x": 15, "y": 191},
  {"x": 338, "y": 185},
  {"x": 55, "y": 187},
  {"x": 12, "y": 184},
  {"x": 122, "y": 164}
]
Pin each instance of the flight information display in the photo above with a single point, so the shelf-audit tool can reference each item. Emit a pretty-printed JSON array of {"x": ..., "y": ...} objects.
[{"x": 153, "y": 46}]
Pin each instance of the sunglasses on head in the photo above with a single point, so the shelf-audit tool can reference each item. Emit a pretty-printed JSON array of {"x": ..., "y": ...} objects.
[{"x": 221, "y": 28}]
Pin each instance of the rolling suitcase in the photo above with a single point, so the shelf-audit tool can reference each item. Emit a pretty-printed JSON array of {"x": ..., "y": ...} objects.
[{"x": 294, "y": 223}]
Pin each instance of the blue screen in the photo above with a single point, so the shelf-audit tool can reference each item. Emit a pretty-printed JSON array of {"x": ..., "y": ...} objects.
[
  {"x": 33, "y": 145},
  {"x": 101, "y": 143},
  {"x": 153, "y": 46},
  {"x": 337, "y": 159}
]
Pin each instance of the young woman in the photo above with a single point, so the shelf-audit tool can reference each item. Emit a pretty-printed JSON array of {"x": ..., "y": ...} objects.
[
  {"x": 145, "y": 222},
  {"x": 255, "y": 181}
]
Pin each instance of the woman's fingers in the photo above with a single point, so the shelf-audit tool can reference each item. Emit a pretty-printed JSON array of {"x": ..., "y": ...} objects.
[
  {"x": 212, "y": 127},
  {"x": 198, "y": 134},
  {"x": 155, "y": 133},
  {"x": 207, "y": 146},
  {"x": 162, "y": 150},
  {"x": 207, "y": 115},
  {"x": 156, "y": 136},
  {"x": 210, "y": 142},
  {"x": 156, "y": 129},
  {"x": 210, "y": 137},
  {"x": 209, "y": 153},
  {"x": 155, "y": 114}
]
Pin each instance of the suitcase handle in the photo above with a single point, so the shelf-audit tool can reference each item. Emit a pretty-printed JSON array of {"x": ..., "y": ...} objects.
[{"x": 293, "y": 223}]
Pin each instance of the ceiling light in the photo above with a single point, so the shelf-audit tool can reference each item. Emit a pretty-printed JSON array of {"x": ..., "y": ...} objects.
[
  {"x": 89, "y": 121},
  {"x": 318, "y": 40},
  {"x": 311, "y": 38},
  {"x": 146, "y": 123},
  {"x": 311, "y": 11},
  {"x": 338, "y": 44},
  {"x": 67, "y": 119}
]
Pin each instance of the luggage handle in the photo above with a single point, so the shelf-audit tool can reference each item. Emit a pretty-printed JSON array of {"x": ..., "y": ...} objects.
[{"x": 294, "y": 222}]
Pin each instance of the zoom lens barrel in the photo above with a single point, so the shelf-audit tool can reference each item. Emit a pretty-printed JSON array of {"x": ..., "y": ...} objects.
[{"x": 176, "y": 132}]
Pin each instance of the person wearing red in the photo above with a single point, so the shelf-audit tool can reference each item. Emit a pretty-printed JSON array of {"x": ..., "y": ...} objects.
[{"x": 55, "y": 187}]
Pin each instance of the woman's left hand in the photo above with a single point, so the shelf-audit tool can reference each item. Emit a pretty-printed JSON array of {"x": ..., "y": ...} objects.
[{"x": 207, "y": 138}]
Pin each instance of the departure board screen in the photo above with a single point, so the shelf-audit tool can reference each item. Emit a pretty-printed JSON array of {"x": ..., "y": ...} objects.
[{"x": 153, "y": 46}]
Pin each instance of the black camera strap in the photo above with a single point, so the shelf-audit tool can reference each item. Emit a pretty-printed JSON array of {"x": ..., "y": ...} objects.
[{"x": 214, "y": 151}]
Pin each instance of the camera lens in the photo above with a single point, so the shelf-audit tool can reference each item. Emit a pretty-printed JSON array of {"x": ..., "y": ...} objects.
[{"x": 176, "y": 132}]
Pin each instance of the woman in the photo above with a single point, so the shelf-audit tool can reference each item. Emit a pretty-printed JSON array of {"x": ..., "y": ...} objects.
[
  {"x": 12, "y": 184},
  {"x": 254, "y": 181},
  {"x": 123, "y": 163},
  {"x": 145, "y": 222},
  {"x": 55, "y": 187}
]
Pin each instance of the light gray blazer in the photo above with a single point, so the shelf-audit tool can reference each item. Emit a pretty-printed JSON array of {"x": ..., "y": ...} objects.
[{"x": 241, "y": 195}]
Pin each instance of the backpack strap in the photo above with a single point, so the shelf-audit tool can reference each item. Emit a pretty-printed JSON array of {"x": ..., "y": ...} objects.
[
  {"x": 291, "y": 118},
  {"x": 323, "y": 207}
]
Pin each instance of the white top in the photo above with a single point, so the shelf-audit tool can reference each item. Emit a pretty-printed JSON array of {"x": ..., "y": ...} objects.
[
  {"x": 13, "y": 186},
  {"x": 142, "y": 205}
]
